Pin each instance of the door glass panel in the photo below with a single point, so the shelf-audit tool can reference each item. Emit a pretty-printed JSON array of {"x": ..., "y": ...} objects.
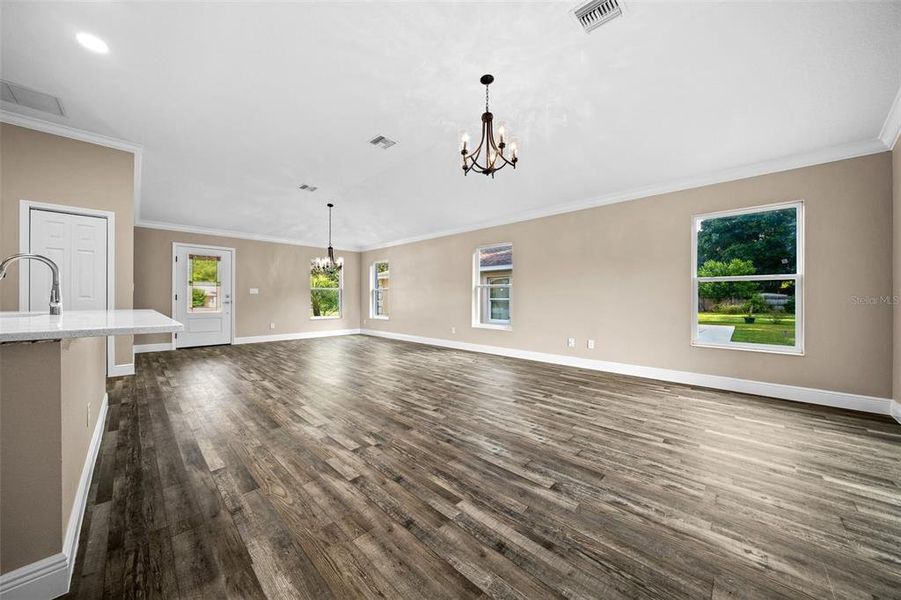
[{"x": 204, "y": 285}]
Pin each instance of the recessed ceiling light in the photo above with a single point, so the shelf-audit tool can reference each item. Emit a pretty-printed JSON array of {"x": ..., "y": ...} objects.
[{"x": 92, "y": 43}]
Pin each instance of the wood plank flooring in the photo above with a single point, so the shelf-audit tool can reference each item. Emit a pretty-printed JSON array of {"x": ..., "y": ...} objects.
[{"x": 358, "y": 467}]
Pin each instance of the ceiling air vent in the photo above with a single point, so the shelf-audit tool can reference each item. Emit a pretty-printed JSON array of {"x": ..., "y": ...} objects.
[
  {"x": 308, "y": 188},
  {"x": 592, "y": 15},
  {"x": 382, "y": 142},
  {"x": 14, "y": 93}
]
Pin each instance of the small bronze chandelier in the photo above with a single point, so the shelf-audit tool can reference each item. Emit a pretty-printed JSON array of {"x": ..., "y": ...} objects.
[
  {"x": 489, "y": 151},
  {"x": 331, "y": 251}
]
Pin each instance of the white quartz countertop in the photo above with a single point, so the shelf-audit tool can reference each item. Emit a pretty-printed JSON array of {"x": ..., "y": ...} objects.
[{"x": 31, "y": 326}]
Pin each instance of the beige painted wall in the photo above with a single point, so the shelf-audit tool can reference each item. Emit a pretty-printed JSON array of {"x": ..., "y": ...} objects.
[
  {"x": 44, "y": 438},
  {"x": 620, "y": 274},
  {"x": 47, "y": 168},
  {"x": 896, "y": 169},
  {"x": 280, "y": 271}
]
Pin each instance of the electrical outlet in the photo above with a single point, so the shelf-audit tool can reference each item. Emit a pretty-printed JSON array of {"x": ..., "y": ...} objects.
[
  {"x": 364, "y": 321},
  {"x": 570, "y": 342},
  {"x": 591, "y": 344},
  {"x": 453, "y": 330},
  {"x": 271, "y": 325},
  {"x": 88, "y": 422}
]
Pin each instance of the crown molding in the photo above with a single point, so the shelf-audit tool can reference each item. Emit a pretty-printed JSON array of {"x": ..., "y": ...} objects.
[
  {"x": 59, "y": 129},
  {"x": 81, "y": 135},
  {"x": 886, "y": 141},
  {"x": 788, "y": 163},
  {"x": 892, "y": 126},
  {"x": 228, "y": 233}
]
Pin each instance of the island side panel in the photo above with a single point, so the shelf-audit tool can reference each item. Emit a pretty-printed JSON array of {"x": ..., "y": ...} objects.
[
  {"x": 83, "y": 376},
  {"x": 30, "y": 451}
]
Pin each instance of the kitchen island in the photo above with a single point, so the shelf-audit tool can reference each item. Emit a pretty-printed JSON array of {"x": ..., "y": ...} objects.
[{"x": 52, "y": 407}]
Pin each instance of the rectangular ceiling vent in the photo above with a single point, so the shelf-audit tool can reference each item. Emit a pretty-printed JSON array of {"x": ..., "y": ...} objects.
[
  {"x": 14, "y": 93},
  {"x": 308, "y": 188},
  {"x": 592, "y": 15},
  {"x": 382, "y": 142}
]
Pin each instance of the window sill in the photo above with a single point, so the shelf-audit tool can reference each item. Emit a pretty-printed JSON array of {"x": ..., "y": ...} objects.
[
  {"x": 325, "y": 318},
  {"x": 762, "y": 348},
  {"x": 379, "y": 318},
  {"x": 497, "y": 326}
]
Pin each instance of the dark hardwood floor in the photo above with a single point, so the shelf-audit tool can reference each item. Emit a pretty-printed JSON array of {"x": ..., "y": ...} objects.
[{"x": 361, "y": 467}]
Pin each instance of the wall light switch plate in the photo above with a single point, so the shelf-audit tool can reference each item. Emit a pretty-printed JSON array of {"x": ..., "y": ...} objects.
[
  {"x": 453, "y": 330},
  {"x": 271, "y": 325},
  {"x": 570, "y": 342},
  {"x": 254, "y": 291},
  {"x": 591, "y": 344}
]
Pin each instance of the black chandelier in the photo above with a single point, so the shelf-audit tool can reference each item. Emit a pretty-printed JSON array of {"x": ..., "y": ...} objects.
[
  {"x": 331, "y": 251},
  {"x": 488, "y": 157}
]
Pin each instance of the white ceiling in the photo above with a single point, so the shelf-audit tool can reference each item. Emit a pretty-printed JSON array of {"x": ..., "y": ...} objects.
[{"x": 237, "y": 104}]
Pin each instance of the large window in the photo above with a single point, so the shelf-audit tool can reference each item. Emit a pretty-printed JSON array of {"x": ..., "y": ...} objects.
[
  {"x": 748, "y": 279},
  {"x": 204, "y": 284},
  {"x": 326, "y": 282},
  {"x": 379, "y": 278},
  {"x": 493, "y": 286}
]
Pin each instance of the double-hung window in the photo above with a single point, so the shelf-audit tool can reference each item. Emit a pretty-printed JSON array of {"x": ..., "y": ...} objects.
[
  {"x": 379, "y": 278},
  {"x": 326, "y": 286},
  {"x": 493, "y": 286},
  {"x": 748, "y": 279}
]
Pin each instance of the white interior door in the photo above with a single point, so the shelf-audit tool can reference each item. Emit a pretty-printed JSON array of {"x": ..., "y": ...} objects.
[
  {"x": 203, "y": 295},
  {"x": 78, "y": 245}
]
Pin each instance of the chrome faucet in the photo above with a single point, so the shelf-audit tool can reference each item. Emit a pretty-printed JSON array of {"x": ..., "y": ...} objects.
[{"x": 56, "y": 302}]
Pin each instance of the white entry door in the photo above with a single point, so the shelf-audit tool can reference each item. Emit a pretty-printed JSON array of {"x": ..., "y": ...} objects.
[
  {"x": 77, "y": 244},
  {"x": 203, "y": 295}
]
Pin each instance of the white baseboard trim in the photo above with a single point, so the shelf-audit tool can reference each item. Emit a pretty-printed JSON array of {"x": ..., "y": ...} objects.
[
  {"x": 871, "y": 404},
  {"x": 120, "y": 370},
  {"x": 139, "y": 348},
  {"x": 50, "y": 577},
  {"x": 46, "y": 578},
  {"x": 305, "y": 335},
  {"x": 896, "y": 410}
]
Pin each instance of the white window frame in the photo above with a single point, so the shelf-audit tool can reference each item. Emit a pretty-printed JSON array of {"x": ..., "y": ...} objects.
[
  {"x": 481, "y": 305},
  {"x": 339, "y": 260},
  {"x": 797, "y": 277},
  {"x": 374, "y": 290}
]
